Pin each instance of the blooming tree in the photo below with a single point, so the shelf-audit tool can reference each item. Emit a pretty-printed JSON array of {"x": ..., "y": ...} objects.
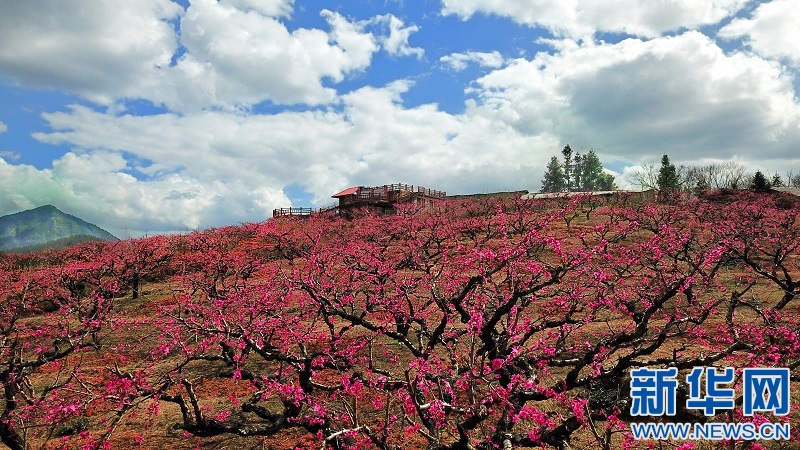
[{"x": 49, "y": 317}]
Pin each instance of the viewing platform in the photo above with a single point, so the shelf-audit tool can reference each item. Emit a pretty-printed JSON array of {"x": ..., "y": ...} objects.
[{"x": 380, "y": 198}]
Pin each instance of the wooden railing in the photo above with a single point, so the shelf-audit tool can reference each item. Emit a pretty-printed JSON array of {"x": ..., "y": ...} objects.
[
  {"x": 431, "y": 192},
  {"x": 293, "y": 212},
  {"x": 304, "y": 211},
  {"x": 329, "y": 207},
  {"x": 391, "y": 193}
]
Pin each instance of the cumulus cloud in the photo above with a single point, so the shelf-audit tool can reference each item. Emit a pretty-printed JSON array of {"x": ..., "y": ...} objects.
[
  {"x": 3, "y": 127},
  {"x": 269, "y": 8},
  {"x": 230, "y": 54},
  {"x": 99, "y": 53},
  {"x": 211, "y": 160},
  {"x": 459, "y": 61},
  {"x": 629, "y": 101},
  {"x": 583, "y": 18},
  {"x": 680, "y": 95},
  {"x": 95, "y": 186},
  {"x": 237, "y": 57},
  {"x": 396, "y": 42},
  {"x": 772, "y": 31},
  {"x": 212, "y": 167}
]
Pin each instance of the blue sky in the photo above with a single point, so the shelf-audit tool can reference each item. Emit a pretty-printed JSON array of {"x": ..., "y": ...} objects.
[{"x": 157, "y": 116}]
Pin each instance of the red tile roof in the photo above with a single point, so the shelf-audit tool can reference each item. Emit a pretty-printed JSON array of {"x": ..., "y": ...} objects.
[{"x": 349, "y": 191}]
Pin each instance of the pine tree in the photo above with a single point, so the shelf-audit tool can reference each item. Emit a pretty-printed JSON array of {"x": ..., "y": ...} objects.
[
  {"x": 668, "y": 176},
  {"x": 554, "y": 178},
  {"x": 567, "y": 152},
  {"x": 589, "y": 174},
  {"x": 592, "y": 172},
  {"x": 577, "y": 173},
  {"x": 760, "y": 182}
]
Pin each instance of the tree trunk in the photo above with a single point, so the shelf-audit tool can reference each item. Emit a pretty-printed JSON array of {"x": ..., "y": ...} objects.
[{"x": 9, "y": 436}]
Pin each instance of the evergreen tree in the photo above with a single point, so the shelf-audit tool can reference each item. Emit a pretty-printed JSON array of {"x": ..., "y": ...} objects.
[
  {"x": 580, "y": 173},
  {"x": 777, "y": 181},
  {"x": 554, "y": 178},
  {"x": 592, "y": 176},
  {"x": 567, "y": 152},
  {"x": 759, "y": 182},
  {"x": 668, "y": 180},
  {"x": 607, "y": 182},
  {"x": 589, "y": 174},
  {"x": 577, "y": 173}
]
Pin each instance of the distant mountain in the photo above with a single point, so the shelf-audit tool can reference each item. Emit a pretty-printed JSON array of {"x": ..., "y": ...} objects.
[{"x": 46, "y": 227}]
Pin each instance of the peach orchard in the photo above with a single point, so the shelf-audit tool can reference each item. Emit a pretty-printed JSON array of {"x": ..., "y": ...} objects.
[{"x": 476, "y": 324}]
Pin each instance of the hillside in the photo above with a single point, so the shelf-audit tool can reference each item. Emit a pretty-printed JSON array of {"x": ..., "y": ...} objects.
[
  {"x": 424, "y": 329},
  {"x": 46, "y": 227}
]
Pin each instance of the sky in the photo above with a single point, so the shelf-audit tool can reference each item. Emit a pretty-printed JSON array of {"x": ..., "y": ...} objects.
[{"x": 159, "y": 116}]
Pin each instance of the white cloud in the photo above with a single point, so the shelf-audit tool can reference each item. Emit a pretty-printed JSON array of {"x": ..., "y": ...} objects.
[
  {"x": 218, "y": 167},
  {"x": 583, "y": 18},
  {"x": 773, "y": 30},
  {"x": 396, "y": 42},
  {"x": 3, "y": 127},
  {"x": 459, "y": 61},
  {"x": 631, "y": 101},
  {"x": 233, "y": 54},
  {"x": 269, "y": 8},
  {"x": 634, "y": 100},
  {"x": 212, "y": 161},
  {"x": 98, "y": 52},
  {"x": 238, "y": 58},
  {"x": 95, "y": 187},
  {"x": 680, "y": 95}
]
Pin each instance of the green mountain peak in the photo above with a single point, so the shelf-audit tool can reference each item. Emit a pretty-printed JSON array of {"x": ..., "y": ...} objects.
[{"x": 46, "y": 227}]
